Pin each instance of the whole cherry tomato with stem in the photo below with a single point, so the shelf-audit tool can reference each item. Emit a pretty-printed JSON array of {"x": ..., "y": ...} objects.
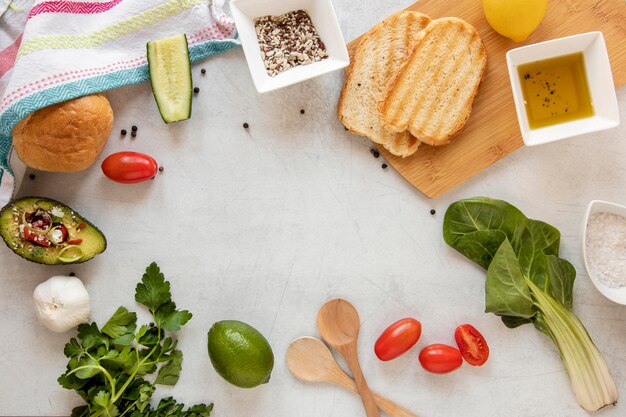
[
  {"x": 397, "y": 339},
  {"x": 129, "y": 167},
  {"x": 472, "y": 344},
  {"x": 440, "y": 358}
]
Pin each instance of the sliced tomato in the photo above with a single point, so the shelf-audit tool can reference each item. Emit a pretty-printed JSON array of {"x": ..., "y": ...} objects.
[
  {"x": 472, "y": 344},
  {"x": 397, "y": 339}
]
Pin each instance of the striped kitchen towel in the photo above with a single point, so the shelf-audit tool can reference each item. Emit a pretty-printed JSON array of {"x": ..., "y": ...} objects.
[{"x": 55, "y": 50}]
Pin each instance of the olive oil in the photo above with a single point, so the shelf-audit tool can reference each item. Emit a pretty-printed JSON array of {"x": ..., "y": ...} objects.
[{"x": 555, "y": 90}]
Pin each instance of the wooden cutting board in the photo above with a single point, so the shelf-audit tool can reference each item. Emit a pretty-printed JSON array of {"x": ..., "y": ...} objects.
[{"x": 492, "y": 131}]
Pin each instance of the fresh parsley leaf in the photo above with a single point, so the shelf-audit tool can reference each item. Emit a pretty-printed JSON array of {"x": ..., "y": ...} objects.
[
  {"x": 72, "y": 348},
  {"x": 154, "y": 290},
  {"x": 91, "y": 336},
  {"x": 106, "y": 366},
  {"x": 122, "y": 323},
  {"x": 171, "y": 319},
  {"x": 170, "y": 372}
]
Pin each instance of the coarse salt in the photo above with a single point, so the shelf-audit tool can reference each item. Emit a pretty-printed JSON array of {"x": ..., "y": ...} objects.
[{"x": 606, "y": 248}]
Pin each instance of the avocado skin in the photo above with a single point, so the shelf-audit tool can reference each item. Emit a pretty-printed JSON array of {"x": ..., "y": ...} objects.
[{"x": 41, "y": 260}]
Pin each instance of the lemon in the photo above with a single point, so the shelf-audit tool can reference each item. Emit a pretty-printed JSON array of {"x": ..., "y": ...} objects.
[
  {"x": 515, "y": 19},
  {"x": 240, "y": 354}
]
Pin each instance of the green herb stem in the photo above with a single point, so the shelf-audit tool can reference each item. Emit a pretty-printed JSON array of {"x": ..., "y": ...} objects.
[{"x": 589, "y": 375}]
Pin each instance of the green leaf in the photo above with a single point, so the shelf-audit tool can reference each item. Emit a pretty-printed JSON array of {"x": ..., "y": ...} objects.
[
  {"x": 72, "y": 348},
  {"x": 102, "y": 399},
  {"x": 513, "y": 322},
  {"x": 80, "y": 411},
  {"x": 482, "y": 213},
  {"x": 71, "y": 381},
  {"x": 480, "y": 246},
  {"x": 170, "y": 319},
  {"x": 506, "y": 291},
  {"x": 89, "y": 368},
  {"x": 154, "y": 290},
  {"x": 122, "y": 323},
  {"x": 170, "y": 372},
  {"x": 91, "y": 336}
]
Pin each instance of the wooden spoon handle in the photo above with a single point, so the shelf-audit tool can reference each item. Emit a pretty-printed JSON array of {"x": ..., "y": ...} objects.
[
  {"x": 350, "y": 355},
  {"x": 388, "y": 406}
]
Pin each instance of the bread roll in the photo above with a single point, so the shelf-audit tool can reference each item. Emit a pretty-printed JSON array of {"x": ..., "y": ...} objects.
[{"x": 64, "y": 137}]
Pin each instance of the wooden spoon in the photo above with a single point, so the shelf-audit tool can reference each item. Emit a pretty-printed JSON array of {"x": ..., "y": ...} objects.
[
  {"x": 310, "y": 360},
  {"x": 338, "y": 323}
]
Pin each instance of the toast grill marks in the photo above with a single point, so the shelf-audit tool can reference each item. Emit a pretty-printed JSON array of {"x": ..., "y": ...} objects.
[
  {"x": 381, "y": 52},
  {"x": 432, "y": 94}
]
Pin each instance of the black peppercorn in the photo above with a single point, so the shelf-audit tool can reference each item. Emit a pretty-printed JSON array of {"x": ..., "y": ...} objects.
[
  {"x": 161, "y": 169},
  {"x": 196, "y": 90},
  {"x": 123, "y": 132},
  {"x": 246, "y": 125},
  {"x": 203, "y": 71},
  {"x": 301, "y": 111},
  {"x": 133, "y": 128},
  {"x": 72, "y": 274},
  {"x": 376, "y": 154},
  {"x": 31, "y": 176},
  {"x": 433, "y": 212},
  {"x": 384, "y": 166},
  {"x": 133, "y": 134}
]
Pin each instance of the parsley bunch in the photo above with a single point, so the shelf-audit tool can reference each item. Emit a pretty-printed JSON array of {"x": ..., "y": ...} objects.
[{"x": 106, "y": 366}]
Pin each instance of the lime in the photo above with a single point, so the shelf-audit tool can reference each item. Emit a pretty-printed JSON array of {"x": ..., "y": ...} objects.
[
  {"x": 515, "y": 19},
  {"x": 240, "y": 354}
]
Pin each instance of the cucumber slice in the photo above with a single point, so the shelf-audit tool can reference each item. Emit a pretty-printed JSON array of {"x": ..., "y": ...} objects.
[{"x": 170, "y": 77}]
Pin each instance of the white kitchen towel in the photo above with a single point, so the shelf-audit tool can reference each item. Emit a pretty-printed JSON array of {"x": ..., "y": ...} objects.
[{"x": 55, "y": 50}]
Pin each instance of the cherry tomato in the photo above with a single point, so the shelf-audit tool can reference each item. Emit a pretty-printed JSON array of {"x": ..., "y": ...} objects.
[
  {"x": 129, "y": 167},
  {"x": 440, "y": 359},
  {"x": 397, "y": 339},
  {"x": 472, "y": 344}
]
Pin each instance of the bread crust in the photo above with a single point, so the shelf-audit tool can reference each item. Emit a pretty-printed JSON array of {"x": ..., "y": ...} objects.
[
  {"x": 392, "y": 97},
  {"x": 398, "y": 143},
  {"x": 64, "y": 137}
]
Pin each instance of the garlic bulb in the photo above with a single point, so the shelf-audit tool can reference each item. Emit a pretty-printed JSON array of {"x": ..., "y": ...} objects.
[{"x": 62, "y": 303}]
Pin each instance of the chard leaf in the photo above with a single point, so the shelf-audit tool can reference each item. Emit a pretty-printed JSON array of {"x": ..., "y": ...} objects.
[
  {"x": 154, "y": 290},
  {"x": 170, "y": 372},
  {"x": 122, "y": 323},
  {"x": 506, "y": 291},
  {"x": 513, "y": 322},
  {"x": 482, "y": 213},
  {"x": 480, "y": 246}
]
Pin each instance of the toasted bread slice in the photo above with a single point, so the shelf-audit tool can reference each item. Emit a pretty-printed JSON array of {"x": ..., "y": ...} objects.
[
  {"x": 381, "y": 52},
  {"x": 432, "y": 94}
]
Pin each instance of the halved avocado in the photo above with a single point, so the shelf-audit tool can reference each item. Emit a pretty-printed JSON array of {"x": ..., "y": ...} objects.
[{"x": 79, "y": 242}]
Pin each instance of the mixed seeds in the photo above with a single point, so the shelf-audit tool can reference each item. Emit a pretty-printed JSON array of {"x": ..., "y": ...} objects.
[{"x": 288, "y": 40}]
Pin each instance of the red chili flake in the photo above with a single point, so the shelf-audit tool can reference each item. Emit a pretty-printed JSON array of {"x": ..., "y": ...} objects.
[
  {"x": 80, "y": 227},
  {"x": 75, "y": 242}
]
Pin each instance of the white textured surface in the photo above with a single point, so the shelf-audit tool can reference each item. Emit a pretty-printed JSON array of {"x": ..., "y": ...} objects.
[{"x": 265, "y": 225}]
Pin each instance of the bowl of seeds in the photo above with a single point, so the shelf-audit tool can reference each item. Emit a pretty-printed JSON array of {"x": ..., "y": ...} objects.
[
  {"x": 289, "y": 41},
  {"x": 604, "y": 248}
]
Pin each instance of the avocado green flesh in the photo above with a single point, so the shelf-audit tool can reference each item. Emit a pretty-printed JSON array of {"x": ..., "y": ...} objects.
[{"x": 93, "y": 242}]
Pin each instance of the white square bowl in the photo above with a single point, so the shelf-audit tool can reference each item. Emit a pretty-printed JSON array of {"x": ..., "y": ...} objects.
[
  {"x": 325, "y": 21},
  {"x": 617, "y": 295},
  {"x": 599, "y": 78}
]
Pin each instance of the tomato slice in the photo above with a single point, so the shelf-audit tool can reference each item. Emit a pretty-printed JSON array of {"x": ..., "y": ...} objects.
[
  {"x": 397, "y": 339},
  {"x": 472, "y": 344},
  {"x": 440, "y": 358}
]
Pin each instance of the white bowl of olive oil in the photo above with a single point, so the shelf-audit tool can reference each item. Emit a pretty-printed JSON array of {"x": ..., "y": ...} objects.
[{"x": 563, "y": 88}]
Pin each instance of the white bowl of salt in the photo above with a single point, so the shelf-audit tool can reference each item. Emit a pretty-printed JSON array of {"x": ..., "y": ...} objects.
[{"x": 604, "y": 248}]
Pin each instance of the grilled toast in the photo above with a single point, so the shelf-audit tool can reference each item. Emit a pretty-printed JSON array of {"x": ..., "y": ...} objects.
[
  {"x": 432, "y": 94},
  {"x": 381, "y": 53}
]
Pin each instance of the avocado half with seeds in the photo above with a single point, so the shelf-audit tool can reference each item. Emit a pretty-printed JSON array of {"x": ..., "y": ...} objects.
[{"x": 45, "y": 231}]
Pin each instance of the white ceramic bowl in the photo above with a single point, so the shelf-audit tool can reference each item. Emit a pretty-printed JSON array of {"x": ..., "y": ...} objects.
[
  {"x": 323, "y": 17},
  {"x": 617, "y": 295},
  {"x": 599, "y": 77}
]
